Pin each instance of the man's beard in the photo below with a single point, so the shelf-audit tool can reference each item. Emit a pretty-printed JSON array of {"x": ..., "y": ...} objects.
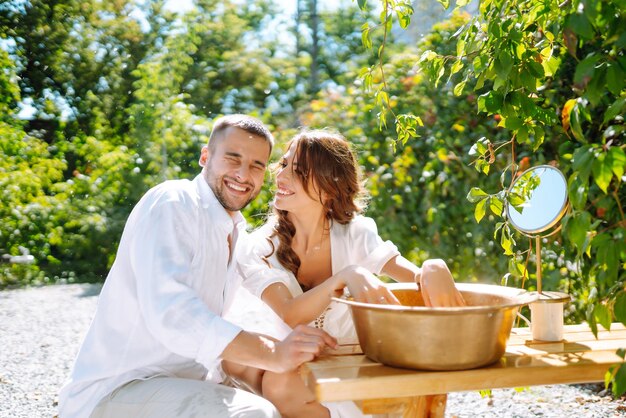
[{"x": 221, "y": 196}]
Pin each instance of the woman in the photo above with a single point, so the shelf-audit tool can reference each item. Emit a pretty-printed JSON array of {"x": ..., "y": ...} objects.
[{"x": 317, "y": 244}]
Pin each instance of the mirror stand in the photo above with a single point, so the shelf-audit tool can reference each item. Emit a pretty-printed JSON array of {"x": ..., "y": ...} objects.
[
  {"x": 547, "y": 310},
  {"x": 538, "y": 261},
  {"x": 538, "y": 239},
  {"x": 544, "y": 192}
]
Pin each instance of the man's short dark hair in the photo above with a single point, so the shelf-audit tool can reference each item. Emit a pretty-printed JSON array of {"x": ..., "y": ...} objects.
[{"x": 249, "y": 124}]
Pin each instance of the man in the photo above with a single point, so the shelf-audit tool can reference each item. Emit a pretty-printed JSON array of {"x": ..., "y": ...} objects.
[{"x": 157, "y": 340}]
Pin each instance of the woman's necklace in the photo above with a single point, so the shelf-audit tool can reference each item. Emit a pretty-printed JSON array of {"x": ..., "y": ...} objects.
[
  {"x": 318, "y": 246},
  {"x": 324, "y": 235}
]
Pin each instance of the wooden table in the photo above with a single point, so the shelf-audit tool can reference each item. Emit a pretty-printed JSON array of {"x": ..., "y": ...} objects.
[{"x": 347, "y": 374}]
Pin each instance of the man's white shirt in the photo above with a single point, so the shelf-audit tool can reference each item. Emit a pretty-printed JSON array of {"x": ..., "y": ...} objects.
[{"x": 159, "y": 312}]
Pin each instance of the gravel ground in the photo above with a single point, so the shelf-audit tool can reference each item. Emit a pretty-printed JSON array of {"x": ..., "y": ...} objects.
[{"x": 41, "y": 330}]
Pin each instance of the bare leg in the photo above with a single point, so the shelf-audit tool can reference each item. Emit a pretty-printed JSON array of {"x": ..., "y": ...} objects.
[
  {"x": 245, "y": 377},
  {"x": 292, "y": 398}
]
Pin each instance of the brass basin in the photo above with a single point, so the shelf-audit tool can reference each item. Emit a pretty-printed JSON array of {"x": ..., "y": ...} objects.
[{"x": 418, "y": 337}]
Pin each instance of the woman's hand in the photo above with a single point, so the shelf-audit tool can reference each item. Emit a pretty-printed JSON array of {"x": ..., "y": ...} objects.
[
  {"x": 365, "y": 287},
  {"x": 437, "y": 285}
]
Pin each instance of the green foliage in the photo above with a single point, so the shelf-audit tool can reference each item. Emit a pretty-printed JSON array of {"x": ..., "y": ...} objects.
[
  {"x": 28, "y": 174},
  {"x": 552, "y": 75},
  {"x": 122, "y": 96},
  {"x": 9, "y": 91},
  {"x": 119, "y": 103},
  {"x": 418, "y": 189},
  {"x": 122, "y": 103},
  {"x": 616, "y": 376}
]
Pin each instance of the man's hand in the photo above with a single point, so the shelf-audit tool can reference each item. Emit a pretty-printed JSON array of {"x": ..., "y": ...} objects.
[
  {"x": 365, "y": 287},
  {"x": 437, "y": 285},
  {"x": 303, "y": 344}
]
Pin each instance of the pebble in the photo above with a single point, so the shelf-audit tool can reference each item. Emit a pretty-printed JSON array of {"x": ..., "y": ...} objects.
[{"x": 41, "y": 329}]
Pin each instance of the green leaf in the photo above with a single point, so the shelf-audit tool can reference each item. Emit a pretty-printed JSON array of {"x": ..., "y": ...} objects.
[
  {"x": 428, "y": 56},
  {"x": 490, "y": 102},
  {"x": 460, "y": 50},
  {"x": 550, "y": 66},
  {"x": 522, "y": 136},
  {"x": 602, "y": 172},
  {"x": 482, "y": 145},
  {"x": 585, "y": 69},
  {"x": 608, "y": 376},
  {"x": 506, "y": 242},
  {"x": 403, "y": 18},
  {"x": 591, "y": 320},
  {"x": 614, "y": 110},
  {"x": 496, "y": 206},
  {"x": 485, "y": 167},
  {"x": 528, "y": 80},
  {"x": 382, "y": 98},
  {"x": 456, "y": 67},
  {"x": 576, "y": 227},
  {"x": 581, "y": 162},
  {"x": 580, "y": 24},
  {"x": 619, "y": 308},
  {"x": 365, "y": 37},
  {"x": 516, "y": 268},
  {"x": 503, "y": 64},
  {"x": 444, "y": 3},
  {"x": 607, "y": 257},
  {"x": 536, "y": 69},
  {"x": 362, "y": 4},
  {"x": 603, "y": 315},
  {"x": 516, "y": 200},
  {"x": 458, "y": 89},
  {"x": 439, "y": 68},
  {"x": 619, "y": 382},
  {"x": 575, "y": 122},
  {"x": 578, "y": 190},
  {"x": 616, "y": 159},
  {"x": 513, "y": 123},
  {"x": 476, "y": 194},
  {"x": 596, "y": 88},
  {"x": 480, "y": 210},
  {"x": 539, "y": 136},
  {"x": 615, "y": 78}
]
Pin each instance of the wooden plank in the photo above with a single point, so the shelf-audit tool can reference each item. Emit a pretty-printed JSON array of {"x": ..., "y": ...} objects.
[
  {"x": 579, "y": 335},
  {"x": 566, "y": 347},
  {"x": 581, "y": 358},
  {"x": 431, "y": 406},
  {"x": 374, "y": 381}
]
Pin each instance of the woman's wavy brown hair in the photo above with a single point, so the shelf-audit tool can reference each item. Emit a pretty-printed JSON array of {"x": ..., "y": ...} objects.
[{"x": 326, "y": 167}]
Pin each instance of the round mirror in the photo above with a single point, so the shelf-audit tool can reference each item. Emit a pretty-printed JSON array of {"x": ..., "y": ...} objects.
[{"x": 538, "y": 199}]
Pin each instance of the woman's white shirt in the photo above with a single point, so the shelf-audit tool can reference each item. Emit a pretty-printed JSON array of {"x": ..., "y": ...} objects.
[{"x": 355, "y": 243}]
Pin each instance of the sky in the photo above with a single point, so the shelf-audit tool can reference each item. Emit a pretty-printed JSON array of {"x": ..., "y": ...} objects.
[{"x": 289, "y": 6}]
